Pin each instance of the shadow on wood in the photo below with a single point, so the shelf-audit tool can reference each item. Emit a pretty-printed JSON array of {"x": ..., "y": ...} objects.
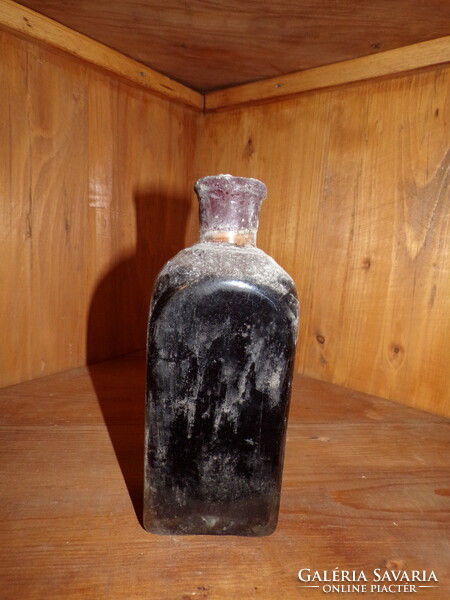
[{"x": 117, "y": 325}]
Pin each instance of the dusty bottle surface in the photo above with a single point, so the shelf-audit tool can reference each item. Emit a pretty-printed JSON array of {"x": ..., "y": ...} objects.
[{"x": 221, "y": 342}]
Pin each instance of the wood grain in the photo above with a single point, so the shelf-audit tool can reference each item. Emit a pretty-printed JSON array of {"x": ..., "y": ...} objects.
[
  {"x": 58, "y": 129},
  {"x": 408, "y": 58},
  {"x": 15, "y": 221},
  {"x": 24, "y": 21},
  {"x": 366, "y": 485},
  {"x": 92, "y": 171},
  {"x": 357, "y": 212},
  {"x": 218, "y": 44}
]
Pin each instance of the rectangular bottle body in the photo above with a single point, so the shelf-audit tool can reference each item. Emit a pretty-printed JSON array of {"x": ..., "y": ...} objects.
[{"x": 220, "y": 359}]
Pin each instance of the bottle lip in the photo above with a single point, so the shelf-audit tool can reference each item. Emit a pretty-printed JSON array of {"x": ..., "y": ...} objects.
[
  {"x": 229, "y": 203},
  {"x": 227, "y": 184}
]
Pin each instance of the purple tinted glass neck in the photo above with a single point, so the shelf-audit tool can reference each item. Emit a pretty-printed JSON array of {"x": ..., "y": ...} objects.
[{"x": 229, "y": 208}]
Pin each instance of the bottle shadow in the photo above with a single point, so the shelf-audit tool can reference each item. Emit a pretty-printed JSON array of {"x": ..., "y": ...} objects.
[{"x": 117, "y": 326}]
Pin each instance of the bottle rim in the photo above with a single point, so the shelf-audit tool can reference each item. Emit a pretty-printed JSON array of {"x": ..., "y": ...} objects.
[{"x": 230, "y": 184}]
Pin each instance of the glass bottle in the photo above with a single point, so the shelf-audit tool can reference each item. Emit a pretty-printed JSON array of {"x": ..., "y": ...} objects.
[{"x": 220, "y": 352}]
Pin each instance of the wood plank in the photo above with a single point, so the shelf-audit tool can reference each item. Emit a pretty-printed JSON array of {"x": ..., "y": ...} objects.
[
  {"x": 16, "y": 213},
  {"x": 398, "y": 60},
  {"x": 59, "y": 159},
  {"x": 357, "y": 213},
  {"x": 366, "y": 485},
  {"x": 24, "y": 21},
  {"x": 92, "y": 168}
]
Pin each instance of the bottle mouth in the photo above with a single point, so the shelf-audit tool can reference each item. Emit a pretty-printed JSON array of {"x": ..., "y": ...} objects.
[
  {"x": 229, "y": 204},
  {"x": 231, "y": 185}
]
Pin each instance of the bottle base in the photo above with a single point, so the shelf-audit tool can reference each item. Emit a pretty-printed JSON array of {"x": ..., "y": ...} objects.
[
  {"x": 248, "y": 520},
  {"x": 209, "y": 525}
]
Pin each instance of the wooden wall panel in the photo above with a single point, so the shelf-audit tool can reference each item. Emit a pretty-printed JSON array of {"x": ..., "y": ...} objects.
[
  {"x": 358, "y": 212},
  {"x": 15, "y": 219},
  {"x": 57, "y": 122},
  {"x": 92, "y": 172}
]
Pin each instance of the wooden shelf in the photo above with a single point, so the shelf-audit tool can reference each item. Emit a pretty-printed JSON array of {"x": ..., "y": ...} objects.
[{"x": 366, "y": 485}]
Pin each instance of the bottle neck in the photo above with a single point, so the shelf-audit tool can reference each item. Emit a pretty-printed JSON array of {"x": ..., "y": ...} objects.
[
  {"x": 237, "y": 238},
  {"x": 229, "y": 209}
]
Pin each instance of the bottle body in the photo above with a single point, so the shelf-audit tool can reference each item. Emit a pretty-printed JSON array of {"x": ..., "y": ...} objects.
[{"x": 221, "y": 342}]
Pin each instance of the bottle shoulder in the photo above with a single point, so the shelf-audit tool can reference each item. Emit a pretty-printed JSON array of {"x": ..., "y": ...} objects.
[{"x": 225, "y": 261}]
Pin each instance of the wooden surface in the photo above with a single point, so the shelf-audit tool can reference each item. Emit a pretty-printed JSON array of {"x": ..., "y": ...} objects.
[
  {"x": 357, "y": 212},
  {"x": 21, "y": 20},
  {"x": 95, "y": 185},
  {"x": 408, "y": 58},
  {"x": 366, "y": 485},
  {"x": 217, "y": 44}
]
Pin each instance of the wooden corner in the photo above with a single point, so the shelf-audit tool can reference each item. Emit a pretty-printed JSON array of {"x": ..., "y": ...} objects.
[
  {"x": 407, "y": 58},
  {"x": 31, "y": 24}
]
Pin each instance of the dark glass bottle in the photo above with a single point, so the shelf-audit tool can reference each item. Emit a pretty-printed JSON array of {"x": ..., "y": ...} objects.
[{"x": 221, "y": 342}]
